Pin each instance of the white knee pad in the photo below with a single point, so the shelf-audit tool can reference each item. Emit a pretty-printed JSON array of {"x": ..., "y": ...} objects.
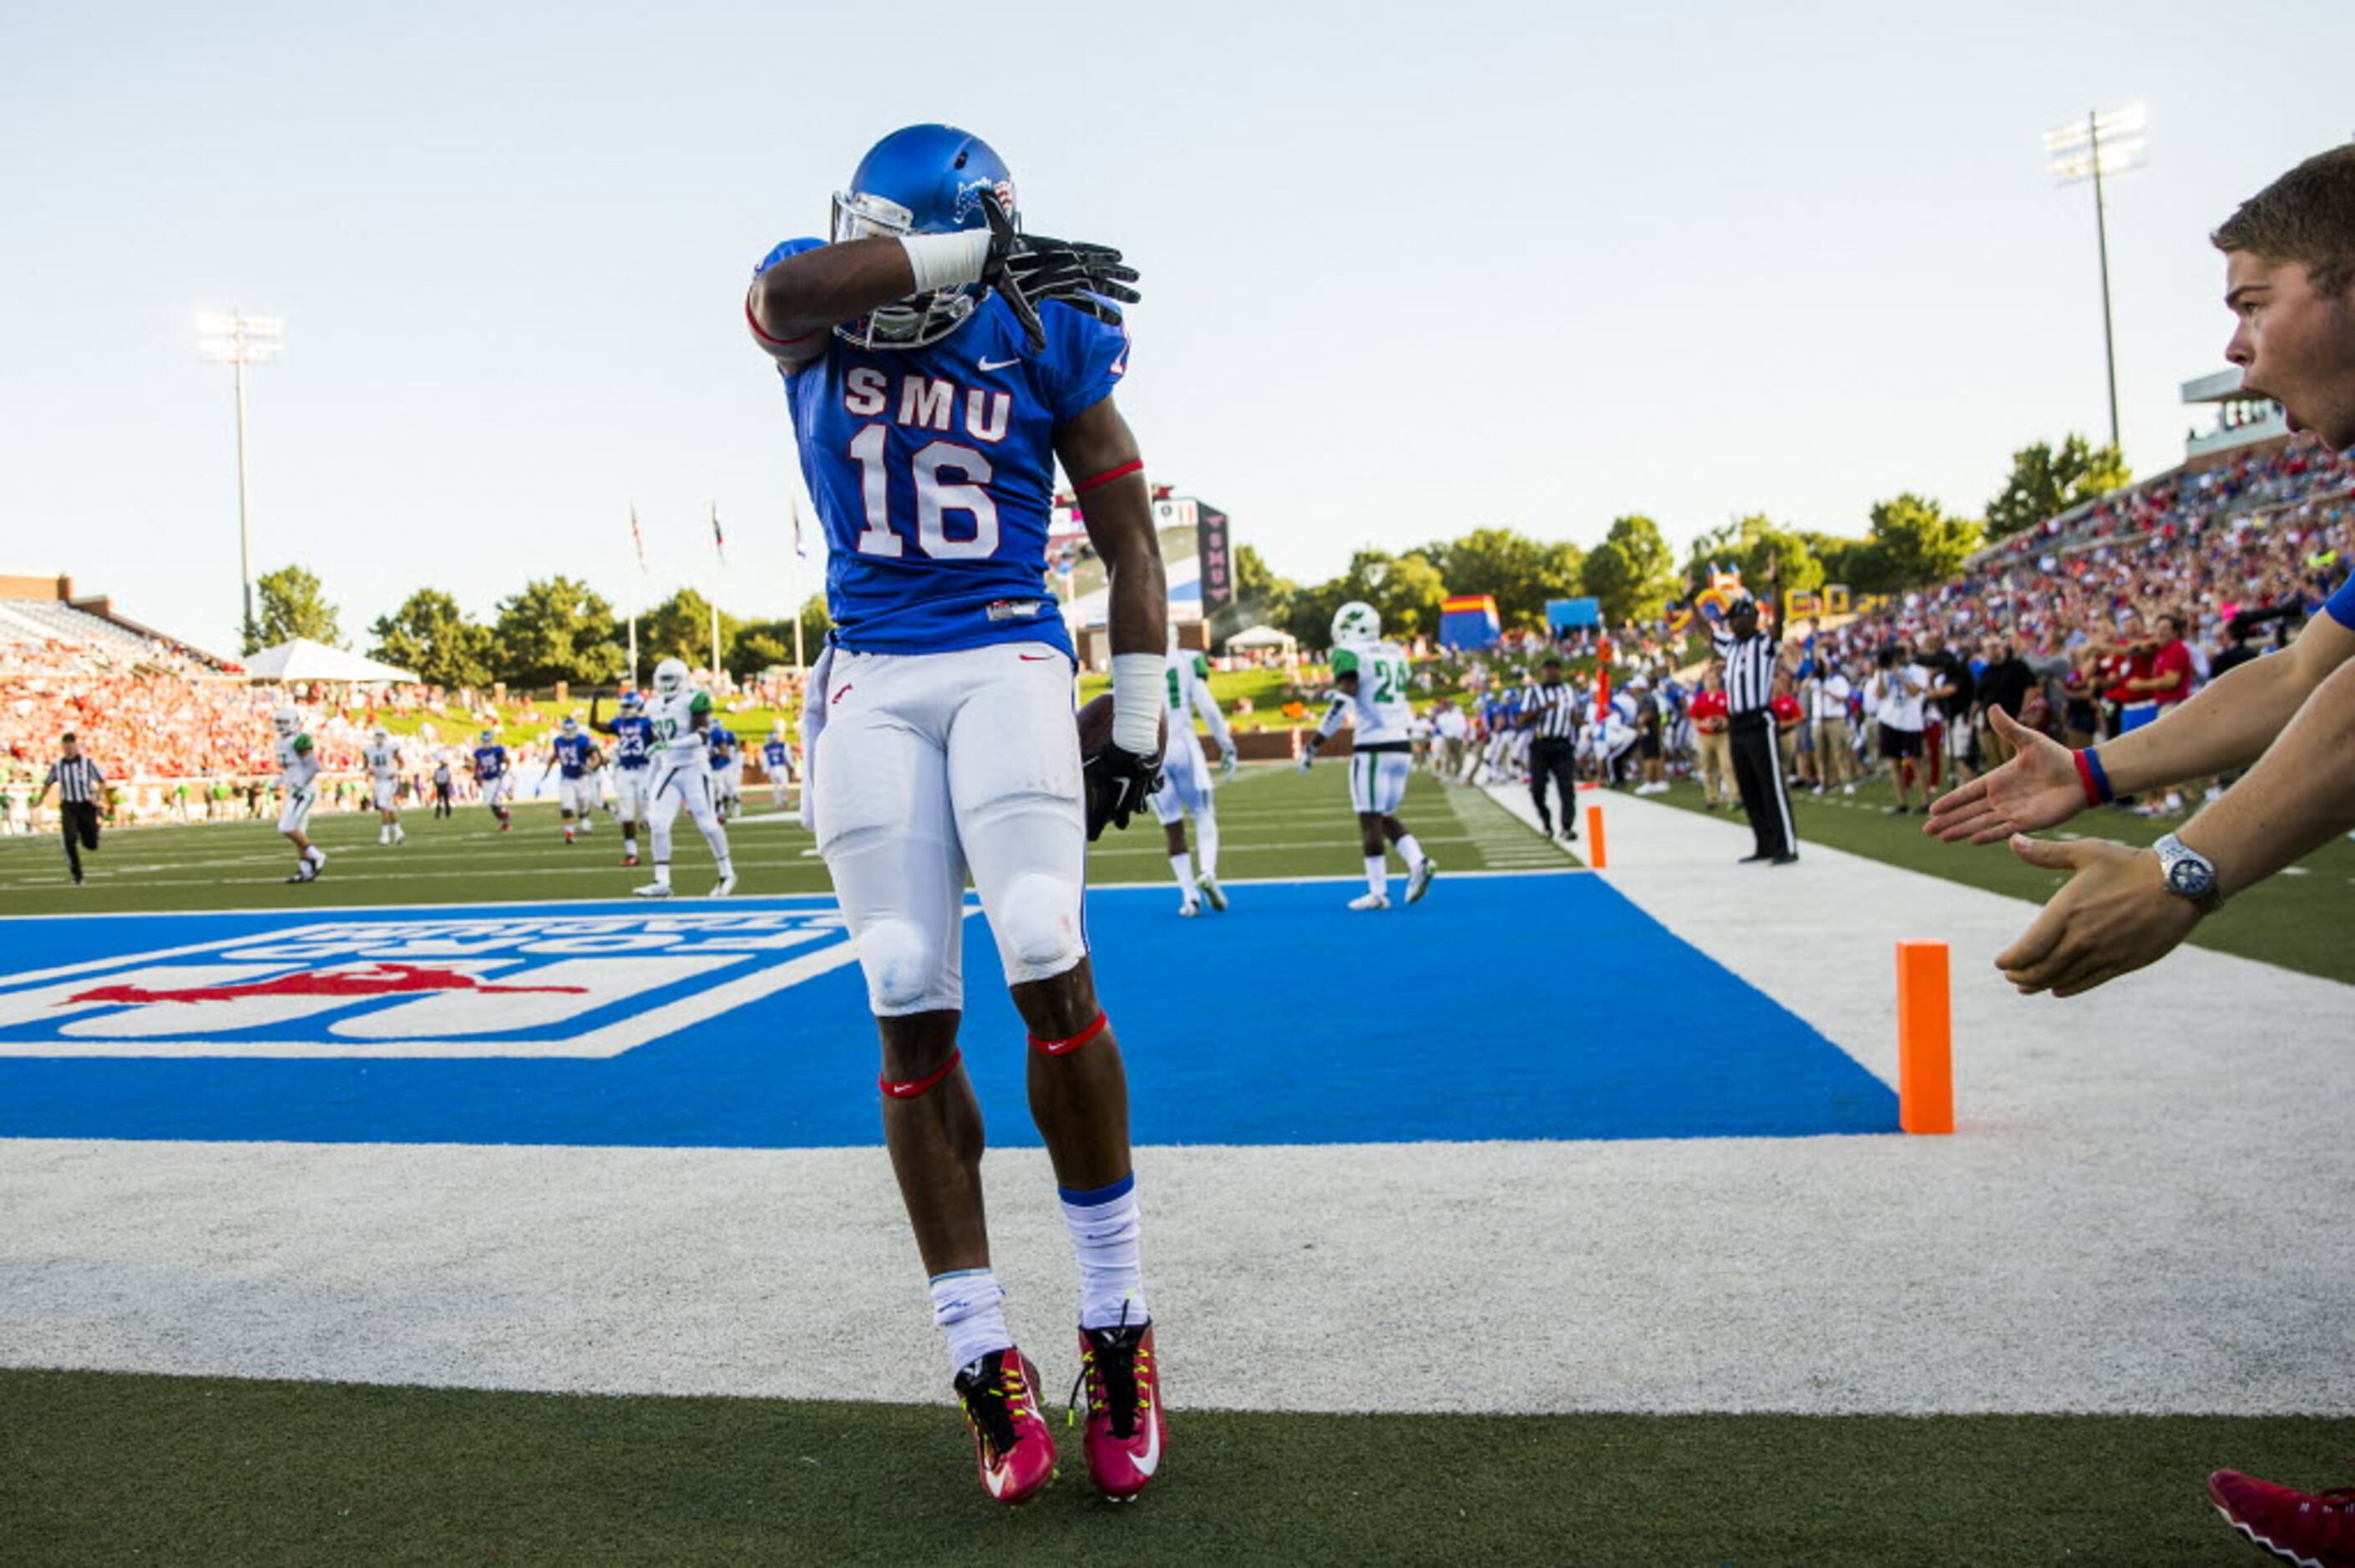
[
  {"x": 1038, "y": 927},
  {"x": 898, "y": 963}
]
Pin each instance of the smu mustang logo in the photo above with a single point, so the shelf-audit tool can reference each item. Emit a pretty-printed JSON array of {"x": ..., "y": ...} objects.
[
  {"x": 551, "y": 986},
  {"x": 380, "y": 980}
]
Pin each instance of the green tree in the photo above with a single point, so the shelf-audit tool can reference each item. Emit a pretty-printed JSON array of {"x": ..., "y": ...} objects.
[
  {"x": 1261, "y": 597},
  {"x": 680, "y": 627},
  {"x": 1632, "y": 571},
  {"x": 1770, "y": 557},
  {"x": 1517, "y": 571},
  {"x": 2044, "y": 484},
  {"x": 557, "y": 630},
  {"x": 289, "y": 605},
  {"x": 1918, "y": 543},
  {"x": 429, "y": 634},
  {"x": 1405, "y": 590}
]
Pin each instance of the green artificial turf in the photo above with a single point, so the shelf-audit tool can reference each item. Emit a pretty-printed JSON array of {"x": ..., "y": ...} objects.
[
  {"x": 1273, "y": 822},
  {"x": 113, "y": 1468},
  {"x": 2299, "y": 920}
]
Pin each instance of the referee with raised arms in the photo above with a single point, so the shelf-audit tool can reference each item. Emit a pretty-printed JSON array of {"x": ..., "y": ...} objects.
[
  {"x": 1551, "y": 708},
  {"x": 1751, "y": 659},
  {"x": 78, "y": 782}
]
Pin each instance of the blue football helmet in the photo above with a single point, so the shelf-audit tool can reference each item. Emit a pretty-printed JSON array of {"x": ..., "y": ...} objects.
[
  {"x": 490, "y": 737},
  {"x": 633, "y": 702},
  {"x": 925, "y": 179}
]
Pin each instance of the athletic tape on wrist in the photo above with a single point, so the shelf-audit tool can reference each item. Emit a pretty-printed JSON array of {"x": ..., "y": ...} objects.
[
  {"x": 946, "y": 261},
  {"x": 894, "y": 1090},
  {"x": 1065, "y": 1047},
  {"x": 1138, "y": 684}
]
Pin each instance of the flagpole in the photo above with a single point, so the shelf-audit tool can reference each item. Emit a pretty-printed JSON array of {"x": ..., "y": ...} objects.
[
  {"x": 719, "y": 549},
  {"x": 637, "y": 600},
  {"x": 800, "y": 664}
]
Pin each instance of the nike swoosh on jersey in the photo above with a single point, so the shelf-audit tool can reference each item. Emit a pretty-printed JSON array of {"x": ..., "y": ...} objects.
[
  {"x": 1033, "y": 658},
  {"x": 838, "y": 696},
  {"x": 999, "y": 364}
]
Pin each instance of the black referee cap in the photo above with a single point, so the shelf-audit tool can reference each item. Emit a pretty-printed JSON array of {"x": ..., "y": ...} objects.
[{"x": 68, "y": 739}]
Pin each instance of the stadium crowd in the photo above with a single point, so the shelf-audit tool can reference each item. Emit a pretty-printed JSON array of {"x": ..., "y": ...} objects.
[{"x": 2085, "y": 627}]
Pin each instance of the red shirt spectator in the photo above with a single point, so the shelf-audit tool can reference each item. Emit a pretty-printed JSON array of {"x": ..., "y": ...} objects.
[
  {"x": 1787, "y": 710},
  {"x": 1705, "y": 708},
  {"x": 2173, "y": 660}
]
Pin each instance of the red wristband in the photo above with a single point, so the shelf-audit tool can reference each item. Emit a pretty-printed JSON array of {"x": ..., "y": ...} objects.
[
  {"x": 1133, "y": 465},
  {"x": 2086, "y": 778}
]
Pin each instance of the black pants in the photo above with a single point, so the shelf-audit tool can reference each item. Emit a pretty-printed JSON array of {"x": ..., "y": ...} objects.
[
  {"x": 78, "y": 820},
  {"x": 1555, "y": 759},
  {"x": 1758, "y": 774}
]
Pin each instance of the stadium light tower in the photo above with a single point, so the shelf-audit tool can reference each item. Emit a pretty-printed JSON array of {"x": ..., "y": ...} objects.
[
  {"x": 2095, "y": 148},
  {"x": 237, "y": 341}
]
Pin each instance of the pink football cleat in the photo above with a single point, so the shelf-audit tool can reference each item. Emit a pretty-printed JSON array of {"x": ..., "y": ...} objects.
[
  {"x": 1010, "y": 1440},
  {"x": 1125, "y": 1429},
  {"x": 2317, "y": 1531}
]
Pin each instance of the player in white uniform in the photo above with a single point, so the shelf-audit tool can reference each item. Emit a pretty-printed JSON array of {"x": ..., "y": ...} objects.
[
  {"x": 682, "y": 776},
  {"x": 1186, "y": 780},
  {"x": 1369, "y": 681},
  {"x": 382, "y": 756},
  {"x": 298, "y": 777}
]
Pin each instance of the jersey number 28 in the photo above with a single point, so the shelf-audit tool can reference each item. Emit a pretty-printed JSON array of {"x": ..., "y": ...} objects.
[{"x": 935, "y": 499}]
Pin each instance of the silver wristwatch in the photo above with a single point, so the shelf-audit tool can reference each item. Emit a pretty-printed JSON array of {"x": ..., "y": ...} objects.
[{"x": 2188, "y": 874}]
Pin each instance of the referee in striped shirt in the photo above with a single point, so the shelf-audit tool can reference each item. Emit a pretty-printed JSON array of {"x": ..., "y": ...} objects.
[
  {"x": 77, "y": 781},
  {"x": 1551, "y": 708},
  {"x": 1751, "y": 659}
]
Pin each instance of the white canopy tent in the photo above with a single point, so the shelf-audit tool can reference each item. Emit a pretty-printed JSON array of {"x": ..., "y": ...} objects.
[
  {"x": 303, "y": 659},
  {"x": 1262, "y": 637}
]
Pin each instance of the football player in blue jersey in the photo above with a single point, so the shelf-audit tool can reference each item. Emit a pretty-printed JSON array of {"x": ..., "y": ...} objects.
[
  {"x": 777, "y": 762},
  {"x": 938, "y": 361},
  {"x": 491, "y": 773},
  {"x": 632, "y": 762},
  {"x": 568, "y": 756},
  {"x": 726, "y": 753}
]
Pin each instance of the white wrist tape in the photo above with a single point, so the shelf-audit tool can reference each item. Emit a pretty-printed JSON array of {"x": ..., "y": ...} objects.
[
  {"x": 1139, "y": 688},
  {"x": 946, "y": 261}
]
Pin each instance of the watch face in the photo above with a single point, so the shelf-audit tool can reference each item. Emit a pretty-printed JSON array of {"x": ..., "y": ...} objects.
[{"x": 2189, "y": 878}]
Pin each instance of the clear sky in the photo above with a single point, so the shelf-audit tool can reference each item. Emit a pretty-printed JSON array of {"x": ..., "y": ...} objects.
[{"x": 1411, "y": 269}]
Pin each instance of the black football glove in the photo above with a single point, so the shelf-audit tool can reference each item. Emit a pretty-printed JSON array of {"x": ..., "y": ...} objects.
[
  {"x": 1116, "y": 782},
  {"x": 1028, "y": 270}
]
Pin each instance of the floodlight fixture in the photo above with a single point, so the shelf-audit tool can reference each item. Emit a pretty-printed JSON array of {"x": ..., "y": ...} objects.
[
  {"x": 237, "y": 340},
  {"x": 2099, "y": 147}
]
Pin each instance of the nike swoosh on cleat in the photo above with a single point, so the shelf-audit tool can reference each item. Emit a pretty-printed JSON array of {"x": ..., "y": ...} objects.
[
  {"x": 1150, "y": 1460},
  {"x": 998, "y": 364}
]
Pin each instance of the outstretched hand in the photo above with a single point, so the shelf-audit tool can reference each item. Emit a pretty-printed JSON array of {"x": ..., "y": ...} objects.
[
  {"x": 1028, "y": 269},
  {"x": 2113, "y": 917},
  {"x": 2036, "y": 789}
]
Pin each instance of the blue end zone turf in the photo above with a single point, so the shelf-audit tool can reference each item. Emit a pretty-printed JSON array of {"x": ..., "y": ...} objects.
[{"x": 1532, "y": 1007}]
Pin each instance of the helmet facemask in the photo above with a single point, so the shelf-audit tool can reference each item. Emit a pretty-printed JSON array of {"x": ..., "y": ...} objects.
[{"x": 916, "y": 321}]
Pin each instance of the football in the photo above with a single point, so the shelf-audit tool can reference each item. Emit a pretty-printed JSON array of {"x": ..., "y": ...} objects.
[{"x": 1095, "y": 726}]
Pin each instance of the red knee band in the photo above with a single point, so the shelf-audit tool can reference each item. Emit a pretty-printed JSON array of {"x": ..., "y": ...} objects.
[
  {"x": 894, "y": 1090},
  {"x": 1133, "y": 465},
  {"x": 1065, "y": 1047}
]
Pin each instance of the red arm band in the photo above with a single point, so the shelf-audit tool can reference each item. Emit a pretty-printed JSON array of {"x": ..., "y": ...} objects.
[{"x": 1133, "y": 465}]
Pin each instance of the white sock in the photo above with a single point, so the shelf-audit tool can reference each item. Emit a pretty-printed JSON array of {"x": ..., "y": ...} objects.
[
  {"x": 629, "y": 843},
  {"x": 717, "y": 837},
  {"x": 662, "y": 875},
  {"x": 1410, "y": 850},
  {"x": 1105, "y": 1229},
  {"x": 1206, "y": 843},
  {"x": 315, "y": 855},
  {"x": 968, "y": 1309},
  {"x": 1181, "y": 866},
  {"x": 1377, "y": 874}
]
